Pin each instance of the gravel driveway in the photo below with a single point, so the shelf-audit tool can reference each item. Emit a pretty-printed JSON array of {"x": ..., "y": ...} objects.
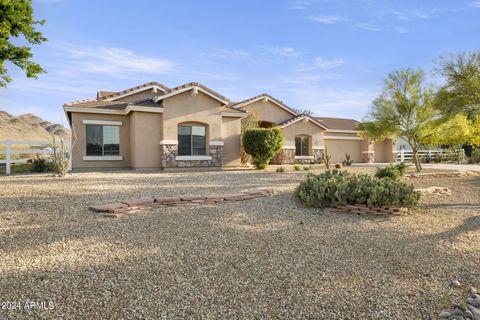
[{"x": 263, "y": 258}]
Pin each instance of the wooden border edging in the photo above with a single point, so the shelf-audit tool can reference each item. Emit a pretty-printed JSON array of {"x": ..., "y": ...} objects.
[{"x": 363, "y": 209}]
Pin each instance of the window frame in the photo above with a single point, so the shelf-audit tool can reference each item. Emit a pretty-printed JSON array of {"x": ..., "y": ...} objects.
[
  {"x": 102, "y": 138},
  {"x": 192, "y": 135},
  {"x": 303, "y": 140}
]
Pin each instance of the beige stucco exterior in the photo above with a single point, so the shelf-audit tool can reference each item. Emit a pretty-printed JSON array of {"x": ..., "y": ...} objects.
[
  {"x": 79, "y": 146},
  {"x": 268, "y": 111},
  {"x": 149, "y": 131},
  {"x": 303, "y": 128}
]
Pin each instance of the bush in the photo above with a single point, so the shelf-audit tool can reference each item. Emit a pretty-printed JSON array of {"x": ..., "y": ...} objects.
[
  {"x": 338, "y": 166},
  {"x": 348, "y": 161},
  {"x": 296, "y": 167},
  {"x": 333, "y": 188},
  {"x": 262, "y": 145},
  {"x": 39, "y": 164},
  {"x": 280, "y": 169},
  {"x": 475, "y": 156},
  {"x": 391, "y": 171},
  {"x": 307, "y": 168}
]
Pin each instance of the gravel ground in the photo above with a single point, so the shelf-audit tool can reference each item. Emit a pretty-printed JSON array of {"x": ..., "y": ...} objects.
[{"x": 263, "y": 258}]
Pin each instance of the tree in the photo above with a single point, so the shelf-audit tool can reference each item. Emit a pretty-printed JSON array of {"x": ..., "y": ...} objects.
[
  {"x": 249, "y": 122},
  {"x": 403, "y": 109},
  {"x": 16, "y": 19},
  {"x": 461, "y": 91},
  {"x": 262, "y": 145},
  {"x": 454, "y": 131}
]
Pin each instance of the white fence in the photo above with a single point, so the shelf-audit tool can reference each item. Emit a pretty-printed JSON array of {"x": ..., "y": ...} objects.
[
  {"x": 406, "y": 155},
  {"x": 8, "y": 152}
]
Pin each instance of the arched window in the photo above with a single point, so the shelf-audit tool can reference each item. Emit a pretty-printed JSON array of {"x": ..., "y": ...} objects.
[
  {"x": 192, "y": 140},
  {"x": 302, "y": 145}
]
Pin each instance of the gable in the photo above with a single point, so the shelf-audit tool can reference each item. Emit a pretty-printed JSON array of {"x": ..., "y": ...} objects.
[{"x": 268, "y": 111}]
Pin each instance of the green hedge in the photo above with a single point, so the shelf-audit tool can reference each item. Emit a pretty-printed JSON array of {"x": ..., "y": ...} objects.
[
  {"x": 392, "y": 171},
  {"x": 262, "y": 145},
  {"x": 333, "y": 188}
]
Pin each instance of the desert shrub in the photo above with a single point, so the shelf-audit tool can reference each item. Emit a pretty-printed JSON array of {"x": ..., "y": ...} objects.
[
  {"x": 437, "y": 158},
  {"x": 392, "y": 171},
  {"x": 297, "y": 167},
  {"x": 262, "y": 145},
  {"x": 338, "y": 166},
  {"x": 327, "y": 158},
  {"x": 280, "y": 169},
  {"x": 39, "y": 164},
  {"x": 475, "y": 156},
  {"x": 348, "y": 161},
  {"x": 307, "y": 168},
  {"x": 334, "y": 187}
]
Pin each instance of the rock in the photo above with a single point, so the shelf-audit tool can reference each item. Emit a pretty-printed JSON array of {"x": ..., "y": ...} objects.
[
  {"x": 444, "y": 315},
  {"x": 473, "y": 302},
  {"x": 456, "y": 283},
  {"x": 473, "y": 290},
  {"x": 108, "y": 207},
  {"x": 468, "y": 314},
  {"x": 475, "y": 312},
  {"x": 476, "y": 296},
  {"x": 138, "y": 202},
  {"x": 460, "y": 307}
]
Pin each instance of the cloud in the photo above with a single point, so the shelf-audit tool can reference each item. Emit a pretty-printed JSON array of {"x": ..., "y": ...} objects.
[
  {"x": 328, "y": 19},
  {"x": 324, "y": 63},
  {"x": 401, "y": 30},
  {"x": 117, "y": 61},
  {"x": 284, "y": 51},
  {"x": 475, "y": 3},
  {"x": 222, "y": 53},
  {"x": 408, "y": 15}
]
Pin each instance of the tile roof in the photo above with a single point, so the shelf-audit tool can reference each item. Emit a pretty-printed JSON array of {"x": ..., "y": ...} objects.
[
  {"x": 338, "y": 123},
  {"x": 196, "y": 84},
  {"x": 107, "y": 94},
  {"x": 98, "y": 104},
  {"x": 298, "y": 117},
  {"x": 246, "y": 101}
]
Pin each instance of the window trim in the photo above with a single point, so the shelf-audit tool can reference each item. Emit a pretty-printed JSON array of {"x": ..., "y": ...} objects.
[
  {"x": 191, "y": 141},
  {"x": 302, "y": 138},
  {"x": 103, "y": 156}
]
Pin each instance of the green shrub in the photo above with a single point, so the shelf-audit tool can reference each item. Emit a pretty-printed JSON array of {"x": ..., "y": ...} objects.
[
  {"x": 296, "y": 167},
  {"x": 333, "y": 188},
  {"x": 262, "y": 145},
  {"x": 326, "y": 158},
  {"x": 338, "y": 166},
  {"x": 280, "y": 169},
  {"x": 437, "y": 158},
  {"x": 475, "y": 157},
  {"x": 307, "y": 168},
  {"x": 39, "y": 164},
  {"x": 348, "y": 161},
  {"x": 391, "y": 171}
]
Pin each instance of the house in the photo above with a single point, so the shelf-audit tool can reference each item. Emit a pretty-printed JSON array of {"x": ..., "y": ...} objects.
[{"x": 153, "y": 126}]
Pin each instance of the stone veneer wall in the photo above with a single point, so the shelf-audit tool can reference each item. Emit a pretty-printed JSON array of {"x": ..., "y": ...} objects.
[
  {"x": 287, "y": 156},
  {"x": 170, "y": 152},
  {"x": 368, "y": 157}
]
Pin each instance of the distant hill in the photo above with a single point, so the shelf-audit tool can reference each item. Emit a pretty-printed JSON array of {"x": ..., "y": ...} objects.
[{"x": 26, "y": 127}]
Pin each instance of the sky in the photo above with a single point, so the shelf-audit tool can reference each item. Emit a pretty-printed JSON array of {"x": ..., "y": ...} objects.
[{"x": 326, "y": 56}]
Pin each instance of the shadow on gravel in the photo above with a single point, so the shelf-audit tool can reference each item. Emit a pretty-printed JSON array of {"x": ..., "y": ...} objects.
[{"x": 470, "y": 224}]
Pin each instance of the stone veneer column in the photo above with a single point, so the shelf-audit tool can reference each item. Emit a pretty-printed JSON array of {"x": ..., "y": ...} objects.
[
  {"x": 318, "y": 155},
  {"x": 169, "y": 153},
  {"x": 216, "y": 152},
  {"x": 368, "y": 156},
  {"x": 288, "y": 156}
]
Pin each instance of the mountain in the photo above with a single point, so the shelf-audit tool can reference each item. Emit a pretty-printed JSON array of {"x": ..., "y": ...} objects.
[{"x": 27, "y": 127}]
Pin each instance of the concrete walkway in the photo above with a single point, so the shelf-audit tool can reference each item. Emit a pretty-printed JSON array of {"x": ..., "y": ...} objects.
[{"x": 440, "y": 166}]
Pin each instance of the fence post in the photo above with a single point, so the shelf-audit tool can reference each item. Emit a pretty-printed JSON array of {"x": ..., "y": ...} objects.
[
  {"x": 402, "y": 155},
  {"x": 7, "y": 157}
]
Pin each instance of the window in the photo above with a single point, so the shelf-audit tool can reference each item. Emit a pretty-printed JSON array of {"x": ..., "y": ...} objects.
[
  {"x": 301, "y": 146},
  {"x": 103, "y": 140},
  {"x": 191, "y": 141}
]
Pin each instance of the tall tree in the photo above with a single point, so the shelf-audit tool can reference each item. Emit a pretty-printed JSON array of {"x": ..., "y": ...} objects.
[
  {"x": 16, "y": 20},
  {"x": 461, "y": 91},
  {"x": 402, "y": 110}
]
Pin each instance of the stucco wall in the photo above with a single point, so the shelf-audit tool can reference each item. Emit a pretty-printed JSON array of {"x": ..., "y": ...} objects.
[
  {"x": 145, "y": 135},
  {"x": 199, "y": 108},
  {"x": 380, "y": 154},
  {"x": 80, "y": 145},
  {"x": 231, "y": 128},
  {"x": 303, "y": 127},
  {"x": 338, "y": 148},
  {"x": 268, "y": 112}
]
